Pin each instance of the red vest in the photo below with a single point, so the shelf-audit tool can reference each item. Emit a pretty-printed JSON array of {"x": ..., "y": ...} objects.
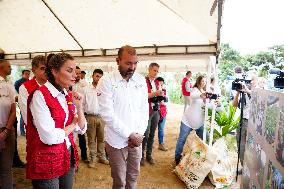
[
  {"x": 49, "y": 161},
  {"x": 184, "y": 91},
  {"x": 163, "y": 108},
  {"x": 31, "y": 86},
  {"x": 149, "y": 91}
]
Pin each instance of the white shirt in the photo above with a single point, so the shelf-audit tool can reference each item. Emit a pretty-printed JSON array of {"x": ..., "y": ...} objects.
[
  {"x": 188, "y": 86},
  {"x": 247, "y": 105},
  {"x": 22, "y": 100},
  {"x": 194, "y": 114},
  {"x": 90, "y": 103},
  {"x": 44, "y": 122},
  {"x": 78, "y": 87},
  {"x": 7, "y": 98},
  {"x": 153, "y": 89},
  {"x": 84, "y": 82},
  {"x": 153, "y": 84},
  {"x": 123, "y": 106}
]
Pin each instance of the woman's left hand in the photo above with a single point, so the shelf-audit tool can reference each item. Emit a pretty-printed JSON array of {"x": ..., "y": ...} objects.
[
  {"x": 78, "y": 100},
  {"x": 218, "y": 102}
]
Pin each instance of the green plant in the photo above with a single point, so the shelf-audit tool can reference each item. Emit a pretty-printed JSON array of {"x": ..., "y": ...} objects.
[{"x": 226, "y": 121}]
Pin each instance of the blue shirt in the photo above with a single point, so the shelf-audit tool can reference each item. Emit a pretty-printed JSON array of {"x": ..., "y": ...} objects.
[{"x": 18, "y": 83}]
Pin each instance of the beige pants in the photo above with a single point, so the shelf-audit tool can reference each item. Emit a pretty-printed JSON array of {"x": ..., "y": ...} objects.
[
  {"x": 95, "y": 133},
  {"x": 125, "y": 166}
]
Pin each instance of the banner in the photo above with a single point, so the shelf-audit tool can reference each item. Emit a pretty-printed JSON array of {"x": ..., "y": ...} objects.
[{"x": 264, "y": 152}]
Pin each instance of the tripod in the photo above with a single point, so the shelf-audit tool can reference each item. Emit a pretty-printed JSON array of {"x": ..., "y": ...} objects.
[{"x": 241, "y": 106}]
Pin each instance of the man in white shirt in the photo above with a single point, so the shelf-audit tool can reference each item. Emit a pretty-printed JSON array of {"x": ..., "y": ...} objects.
[
  {"x": 78, "y": 87},
  {"x": 242, "y": 130},
  {"x": 96, "y": 124},
  {"x": 83, "y": 79},
  {"x": 123, "y": 104},
  {"x": 38, "y": 69},
  {"x": 7, "y": 118}
]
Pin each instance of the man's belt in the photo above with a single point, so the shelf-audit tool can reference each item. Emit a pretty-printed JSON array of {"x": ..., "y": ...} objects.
[{"x": 91, "y": 114}]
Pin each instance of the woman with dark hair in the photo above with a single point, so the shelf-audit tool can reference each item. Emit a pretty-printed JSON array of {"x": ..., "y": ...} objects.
[
  {"x": 52, "y": 117},
  {"x": 193, "y": 117}
]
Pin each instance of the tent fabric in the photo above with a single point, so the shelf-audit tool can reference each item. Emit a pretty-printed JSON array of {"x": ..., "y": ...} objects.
[{"x": 33, "y": 27}]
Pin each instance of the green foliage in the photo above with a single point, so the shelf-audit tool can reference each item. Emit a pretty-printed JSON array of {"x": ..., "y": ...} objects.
[
  {"x": 229, "y": 59},
  {"x": 262, "y": 61},
  {"x": 226, "y": 121},
  {"x": 175, "y": 95},
  {"x": 174, "y": 89}
]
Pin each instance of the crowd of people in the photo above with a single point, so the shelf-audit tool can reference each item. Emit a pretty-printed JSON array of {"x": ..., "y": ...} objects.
[{"x": 115, "y": 117}]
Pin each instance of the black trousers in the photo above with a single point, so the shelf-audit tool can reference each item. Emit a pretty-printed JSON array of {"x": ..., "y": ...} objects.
[
  {"x": 16, "y": 159},
  {"x": 149, "y": 134},
  {"x": 83, "y": 146}
]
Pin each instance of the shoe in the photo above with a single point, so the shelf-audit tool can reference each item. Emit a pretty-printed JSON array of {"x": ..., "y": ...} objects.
[
  {"x": 103, "y": 161},
  {"x": 92, "y": 163},
  {"x": 142, "y": 162},
  {"x": 85, "y": 160},
  {"x": 19, "y": 164},
  {"x": 177, "y": 161},
  {"x": 150, "y": 160},
  {"x": 162, "y": 147}
]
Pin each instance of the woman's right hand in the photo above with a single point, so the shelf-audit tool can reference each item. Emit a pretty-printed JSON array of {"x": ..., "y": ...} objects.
[
  {"x": 75, "y": 120},
  {"x": 72, "y": 126},
  {"x": 203, "y": 95}
]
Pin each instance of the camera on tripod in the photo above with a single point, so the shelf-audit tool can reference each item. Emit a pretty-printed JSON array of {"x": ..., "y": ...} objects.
[
  {"x": 157, "y": 100},
  {"x": 279, "y": 80},
  {"x": 238, "y": 83}
]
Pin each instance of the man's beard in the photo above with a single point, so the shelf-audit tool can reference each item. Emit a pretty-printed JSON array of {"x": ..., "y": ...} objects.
[{"x": 128, "y": 73}]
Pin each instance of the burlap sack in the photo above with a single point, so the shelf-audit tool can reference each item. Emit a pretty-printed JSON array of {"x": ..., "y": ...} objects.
[
  {"x": 196, "y": 163},
  {"x": 221, "y": 175}
]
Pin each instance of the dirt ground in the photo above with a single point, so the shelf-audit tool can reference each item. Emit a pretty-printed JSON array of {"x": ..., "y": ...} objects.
[{"x": 158, "y": 176}]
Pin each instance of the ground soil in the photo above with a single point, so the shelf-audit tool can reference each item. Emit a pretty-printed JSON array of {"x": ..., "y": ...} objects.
[{"x": 158, "y": 176}]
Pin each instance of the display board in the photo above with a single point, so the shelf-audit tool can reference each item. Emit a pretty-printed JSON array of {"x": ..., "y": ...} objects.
[{"x": 264, "y": 153}]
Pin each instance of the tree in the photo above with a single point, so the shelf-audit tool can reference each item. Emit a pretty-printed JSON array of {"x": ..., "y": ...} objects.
[{"x": 229, "y": 59}]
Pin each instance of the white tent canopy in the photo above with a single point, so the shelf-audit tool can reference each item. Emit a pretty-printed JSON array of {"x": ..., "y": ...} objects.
[{"x": 93, "y": 30}]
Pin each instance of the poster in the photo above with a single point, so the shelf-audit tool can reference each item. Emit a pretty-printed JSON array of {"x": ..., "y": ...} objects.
[{"x": 264, "y": 152}]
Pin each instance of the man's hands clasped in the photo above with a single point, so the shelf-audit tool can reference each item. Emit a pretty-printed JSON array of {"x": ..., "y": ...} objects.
[{"x": 135, "y": 140}]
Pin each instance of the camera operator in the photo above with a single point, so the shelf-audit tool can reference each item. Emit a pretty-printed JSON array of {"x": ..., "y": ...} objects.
[
  {"x": 154, "y": 99},
  {"x": 247, "y": 90}
]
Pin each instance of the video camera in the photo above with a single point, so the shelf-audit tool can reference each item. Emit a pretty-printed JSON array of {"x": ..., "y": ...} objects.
[
  {"x": 238, "y": 83},
  {"x": 212, "y": 96},
  {"x": 279, "y": 80},
  {"x": 156, "y": 101}
]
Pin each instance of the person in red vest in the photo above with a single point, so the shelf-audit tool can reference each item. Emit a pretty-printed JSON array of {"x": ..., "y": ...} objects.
[
  {"x": 52, "y": 117},
  {"x": 186, "y": 87},
  {"x": 38, "y": 69},
  {"x": 154, "y": 92},
  {"x": 163, "y": 114}
]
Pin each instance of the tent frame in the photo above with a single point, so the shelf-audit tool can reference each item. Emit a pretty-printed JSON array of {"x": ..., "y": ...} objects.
[{"x": 170, "y": 52}]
